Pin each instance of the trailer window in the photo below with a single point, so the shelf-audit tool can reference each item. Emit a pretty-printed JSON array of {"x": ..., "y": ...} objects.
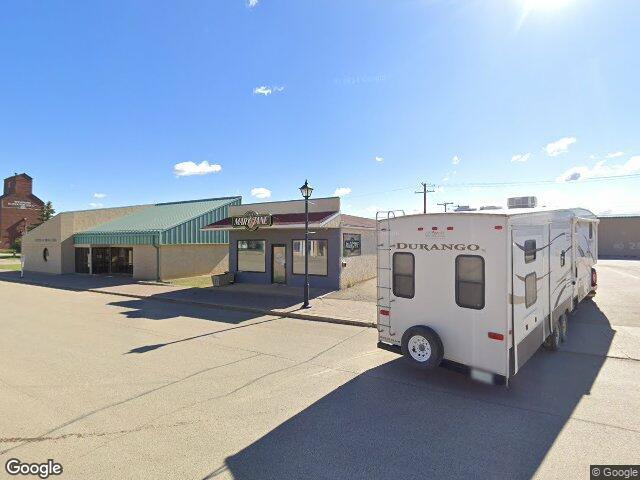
[
  {"x": 470, "y": 281},
  {"x": 590, "y": 230},
  {"x": 562, "y": 258},
  {"x": 404, "y": 269},
  {"x": 529, "y": 251},
  {"x": 530, "y": 289}
]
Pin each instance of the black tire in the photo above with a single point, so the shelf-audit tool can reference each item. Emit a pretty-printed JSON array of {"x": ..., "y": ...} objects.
[
  {"x": 552, "y": 343},
  {"x": 422, "y": 347},
  {"x": 563, "y": 323}
]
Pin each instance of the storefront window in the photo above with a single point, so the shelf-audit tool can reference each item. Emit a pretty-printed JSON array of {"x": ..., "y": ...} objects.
[
  {"x": 251, "y": 256},
  {"x": 318, "y": 257}
]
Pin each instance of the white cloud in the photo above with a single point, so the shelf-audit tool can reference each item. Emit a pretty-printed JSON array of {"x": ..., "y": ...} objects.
[
  {"x": 185, "y": 169},
  {"x": 378, "y": 159},
  {"x": 342, "y": 191},
  {"x": 95, "y": 205},
  {"x": 559, "y": 146},
  {"x": 615, "y": 154},
  {"x": 264, "y": 90},
  {"x": 99, "y": 195},
  {"x": 252, "y": 3},
  {"x": 521, "y": 157},
  {"x": 455, "y": 160},
  {"x": 261, "y": 192},
  {"x": 601, "y": 169}
]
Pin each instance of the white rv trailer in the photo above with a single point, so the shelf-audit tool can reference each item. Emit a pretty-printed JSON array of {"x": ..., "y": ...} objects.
[{"x": 481, "y": 291}]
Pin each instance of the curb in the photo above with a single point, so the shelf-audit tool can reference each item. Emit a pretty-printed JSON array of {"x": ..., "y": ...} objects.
[{"x": 221, "y": 306}]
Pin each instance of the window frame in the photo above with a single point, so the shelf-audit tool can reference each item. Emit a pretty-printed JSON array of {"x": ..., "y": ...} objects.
[
  {"x": 535, "y": 289},
  {"x": 238, "y": 255},
  {"x": 413, "y": 275},
  {"x": 484, "y": 283},
  {"x": 326, "y": 240},
  {"x": 527, "y": 252}
]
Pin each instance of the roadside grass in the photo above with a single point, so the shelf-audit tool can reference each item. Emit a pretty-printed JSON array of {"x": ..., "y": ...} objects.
[
  {"x": 8, "y": 254},
  {"x": 201, "y": 281},
  {"x": 9, "y": 266}
]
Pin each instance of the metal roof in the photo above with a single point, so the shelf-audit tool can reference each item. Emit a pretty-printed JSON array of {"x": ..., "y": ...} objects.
[{"x": 162, "y": 224}]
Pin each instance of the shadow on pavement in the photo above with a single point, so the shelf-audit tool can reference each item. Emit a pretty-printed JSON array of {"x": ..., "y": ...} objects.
[{"x": 394, "y": 421}]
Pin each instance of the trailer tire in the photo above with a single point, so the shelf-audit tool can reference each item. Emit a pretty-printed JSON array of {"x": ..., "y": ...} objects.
[
  {"x": 552, "y": 342},
  {"x": 422, "y": 346}
]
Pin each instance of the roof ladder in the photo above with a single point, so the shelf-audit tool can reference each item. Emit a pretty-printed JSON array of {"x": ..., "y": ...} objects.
[{"x": 383, "y": 265}]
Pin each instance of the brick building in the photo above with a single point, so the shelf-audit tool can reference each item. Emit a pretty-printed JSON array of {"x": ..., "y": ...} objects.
[{"x": 19, "y": 208}]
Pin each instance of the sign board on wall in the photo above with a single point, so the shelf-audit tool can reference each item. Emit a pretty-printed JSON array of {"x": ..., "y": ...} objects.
[
  {"x": 252, "y": 220},
  {"x": 20, "y": 204},
  {"x": 351, "y": 244}
]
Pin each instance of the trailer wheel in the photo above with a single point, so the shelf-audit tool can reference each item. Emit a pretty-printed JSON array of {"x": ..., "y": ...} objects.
[
  {"x": 564, "y": 327},
  {"x": 422, "y": 347},
  {"x": 552, "y": 342}
]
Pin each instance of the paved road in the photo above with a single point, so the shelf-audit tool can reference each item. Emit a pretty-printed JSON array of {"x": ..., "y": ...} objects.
[{"x": 123, "y": 388}]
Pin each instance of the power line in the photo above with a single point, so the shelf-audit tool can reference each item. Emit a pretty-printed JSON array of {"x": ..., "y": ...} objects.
[
  {"x": 508, "y": 184},
  {"x": 445, "y": 204},
  {"x": 424, "y": 193}
]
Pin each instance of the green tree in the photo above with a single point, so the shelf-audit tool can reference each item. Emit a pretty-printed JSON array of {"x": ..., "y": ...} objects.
[
  {"x": 47, "y": 212},
  {"x": 16, "y": 246}
]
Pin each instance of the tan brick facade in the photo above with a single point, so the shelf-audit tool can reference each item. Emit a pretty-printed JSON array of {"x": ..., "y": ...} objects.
[{"x": 19, "y": 208}]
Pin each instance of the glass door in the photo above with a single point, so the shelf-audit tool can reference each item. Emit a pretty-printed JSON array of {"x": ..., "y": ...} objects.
[
  {"x": 100, "y": 260},
  {"x": 278, "y": 264}
]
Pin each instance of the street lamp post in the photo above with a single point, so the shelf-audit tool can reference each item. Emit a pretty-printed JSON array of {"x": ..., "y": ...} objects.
[{"x": 306, "y": 191}]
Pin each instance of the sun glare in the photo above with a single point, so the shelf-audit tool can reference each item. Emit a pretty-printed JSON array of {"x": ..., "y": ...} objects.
[{"x": 544, "y": 4}]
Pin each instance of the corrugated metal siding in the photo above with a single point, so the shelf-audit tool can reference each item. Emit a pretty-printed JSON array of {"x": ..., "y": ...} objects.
[
  {"x": 123, "y": 238},
  {"x": 189, "y": 232}
]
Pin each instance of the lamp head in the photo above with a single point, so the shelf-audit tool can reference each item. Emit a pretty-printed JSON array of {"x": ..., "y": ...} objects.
[{"x": 306, "y": 190}]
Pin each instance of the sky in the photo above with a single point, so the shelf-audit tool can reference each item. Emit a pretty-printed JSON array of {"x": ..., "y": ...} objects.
[{"x": 111, "y": 103}]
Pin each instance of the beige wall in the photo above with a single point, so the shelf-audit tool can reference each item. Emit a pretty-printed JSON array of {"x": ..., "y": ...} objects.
[
  {"x": 144, "y": 262},
  {"x": 48, "y": 235},
  {"x": 57, "y": 233},
  {"x": 331, "y": 204},
  {"x": 178, "y": 261},
  {"x": 619, "y": 237},
  {"x": 362, "y": 267}
]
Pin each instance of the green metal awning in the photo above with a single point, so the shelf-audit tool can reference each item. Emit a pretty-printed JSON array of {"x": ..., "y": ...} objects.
[{"x": 176, "y": 223}]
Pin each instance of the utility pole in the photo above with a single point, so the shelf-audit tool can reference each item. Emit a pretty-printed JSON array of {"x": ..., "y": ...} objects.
[
  {"x": 424, "y": 198},
  {"x": 445, "y": 204}
]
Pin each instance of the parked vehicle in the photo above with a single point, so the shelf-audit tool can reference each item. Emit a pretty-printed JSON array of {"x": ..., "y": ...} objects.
[{"x": 482, "y": 290}]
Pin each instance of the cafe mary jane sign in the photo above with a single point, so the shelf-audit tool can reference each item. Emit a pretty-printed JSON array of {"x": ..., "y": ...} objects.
[{"x": 252, "y": 220}]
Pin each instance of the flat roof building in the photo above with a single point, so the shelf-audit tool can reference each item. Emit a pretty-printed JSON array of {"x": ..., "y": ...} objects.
[
  {"x": 160, "y": 241},
  {"x": 266, "y": 243}
]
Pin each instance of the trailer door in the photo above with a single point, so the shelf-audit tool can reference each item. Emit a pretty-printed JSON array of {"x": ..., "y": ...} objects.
[{"x": 529, "y": 291}]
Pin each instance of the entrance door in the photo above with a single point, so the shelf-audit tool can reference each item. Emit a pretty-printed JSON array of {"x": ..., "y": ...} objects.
[
  {"x": 100, "y": 260},
  {"x": 530, "y": 294},
  {"x": 82, "y": 260},
  {"x": 278, "y": 264}
]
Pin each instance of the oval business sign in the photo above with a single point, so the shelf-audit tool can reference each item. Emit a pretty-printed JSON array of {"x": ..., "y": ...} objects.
[{"x": 252, "y": 220}]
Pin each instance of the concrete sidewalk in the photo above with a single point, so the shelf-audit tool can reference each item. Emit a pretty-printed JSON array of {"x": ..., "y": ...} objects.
[{"x": 264, "y": 300}]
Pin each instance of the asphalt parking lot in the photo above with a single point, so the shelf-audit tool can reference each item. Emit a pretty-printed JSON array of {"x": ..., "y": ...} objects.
[{"x": 113, "y": 387}]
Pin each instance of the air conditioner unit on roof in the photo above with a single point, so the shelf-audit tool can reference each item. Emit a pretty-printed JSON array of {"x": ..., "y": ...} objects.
[{"x": 522, "y": 202}]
